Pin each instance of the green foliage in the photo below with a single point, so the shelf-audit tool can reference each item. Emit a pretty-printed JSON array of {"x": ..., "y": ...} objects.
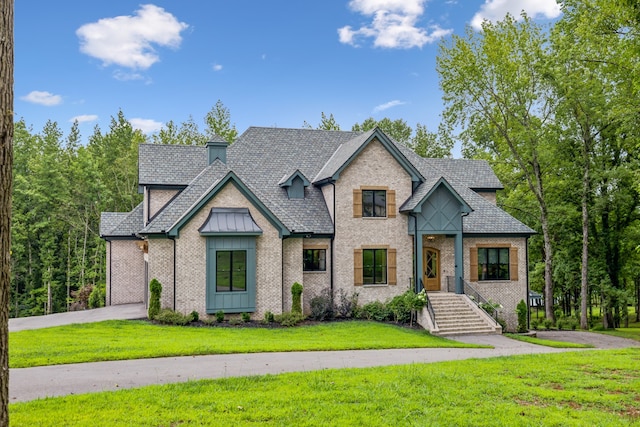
[
  {"x": 98, "y": 296},
  {"x": 403, "y": 306},
  {"x": 375, "y": 310},
  {"x": 195, "y": 316},
  {"x": 296, "y": 295},
  {"x": 269, "y": 317},
  {"x": 219, "y": 316},
  {"x": 170, "y": 317},
  {"x": 246, "y": 317},
  {"x": 289, "y": 318},
  {"x": 521, "y": 310},
  {"x": 534, "y": 324},
  {"x": 322, "y": 306},
  {"x": 155, "y": 290},
  {"x": 548, "y": 323},
  {"x": 218, "y": 122}
]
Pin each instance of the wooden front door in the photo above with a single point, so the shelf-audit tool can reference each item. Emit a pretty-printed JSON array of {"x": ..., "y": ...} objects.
[{"x": 431, "y": 265}]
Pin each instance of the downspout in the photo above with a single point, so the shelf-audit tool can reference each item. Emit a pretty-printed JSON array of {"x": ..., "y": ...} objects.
[
  {"x": 110, "y": 271},
  {"x": 415, "y": 253},
  {"x": 282, "y": 270},
  {"x": 174, "y": 271},
  {"x": 526, "y": 263},
  {"x": 333, "y": 238}
]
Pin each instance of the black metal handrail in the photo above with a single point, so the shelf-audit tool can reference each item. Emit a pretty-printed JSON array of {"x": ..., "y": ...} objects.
[
  {"x": 432, "y": 314},
  {"x": 480, "y": 301}
]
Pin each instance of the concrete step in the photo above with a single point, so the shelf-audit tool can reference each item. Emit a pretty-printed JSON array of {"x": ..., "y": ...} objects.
[{"x": 454, "y": 315}]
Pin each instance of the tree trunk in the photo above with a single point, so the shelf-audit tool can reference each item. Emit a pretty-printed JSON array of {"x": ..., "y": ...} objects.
[
  {"x": 584, "y": 281},
  {"x": 6, "y": 182}
]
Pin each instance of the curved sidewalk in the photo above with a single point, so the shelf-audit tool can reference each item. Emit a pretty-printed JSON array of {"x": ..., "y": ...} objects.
[{"x": 33, "y": 383}]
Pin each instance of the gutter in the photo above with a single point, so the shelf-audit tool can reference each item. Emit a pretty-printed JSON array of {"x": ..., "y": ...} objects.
[
  {"x": 110, "y": 271},
  {"x": 333, "y": 238},
  {"x": 174, "y": 270},
  {"x": 526, "y": 263}
]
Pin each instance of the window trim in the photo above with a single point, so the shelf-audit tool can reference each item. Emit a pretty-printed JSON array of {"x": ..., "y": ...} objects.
[
  {"x": 391, "y": 266},
  {"x": 230, "y": 271},
  {"x": 512, "y": 264},
  {"x": 358, "y": 202}
]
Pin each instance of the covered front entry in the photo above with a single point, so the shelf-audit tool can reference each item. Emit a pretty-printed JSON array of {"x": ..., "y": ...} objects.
[{"x": 431, "y": 273}]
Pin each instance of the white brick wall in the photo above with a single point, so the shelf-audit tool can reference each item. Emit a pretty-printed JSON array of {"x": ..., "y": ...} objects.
[
  {"x": 161, "y": 268},
  {"x": 191, "y": 259},
  {"x": 506, "y": 292},
  {"x": 373, "y": 167},
  {"x": 158, "y": 199},
  {"x": 125, "y": 272}
]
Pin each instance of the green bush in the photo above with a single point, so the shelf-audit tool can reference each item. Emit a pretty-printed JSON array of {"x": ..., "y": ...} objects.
[
  {"x": 296, "y": 301},
  {"x": 375, "y": 310},
  {"x": 534, "y": 324},
  {"x": 219, "y": 316},
  {"x": 268, "y": 317},
  {"x": 155, "y": 289},
  {"x": 322, "y": 306},
  {"x": 560, "y": 324},
  {"x": 289, "y": 318},
  {"x": 521, "y": 310},
  {"x": 170, "y": 317},
  {"x": 548, "y": 323},
  {"x": 401, "y": 306},
  {"x": 195, "y": 316},
  {"x": 246, "y": 317},
  {"x": 98, "y": 296}
]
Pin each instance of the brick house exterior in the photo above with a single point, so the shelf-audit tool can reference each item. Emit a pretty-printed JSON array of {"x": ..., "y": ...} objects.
[{"x": 232, "y": 227}]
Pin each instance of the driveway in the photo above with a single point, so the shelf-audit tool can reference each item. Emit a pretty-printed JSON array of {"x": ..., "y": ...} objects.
[
  {"x": 124, "y": 311},
  {"x": 49, "y": 381}
]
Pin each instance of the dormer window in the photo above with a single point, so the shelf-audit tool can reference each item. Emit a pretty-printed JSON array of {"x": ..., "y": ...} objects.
[{"x": 294, "y": 184}]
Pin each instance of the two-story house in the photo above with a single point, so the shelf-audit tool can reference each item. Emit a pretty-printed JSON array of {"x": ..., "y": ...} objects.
[{"x": 232, "y": 227}]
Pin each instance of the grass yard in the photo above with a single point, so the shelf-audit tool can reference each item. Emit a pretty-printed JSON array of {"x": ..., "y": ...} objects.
[
  {"x": 593, "y": 388},
  {"x": 121, "y": 340},
  {"x": 632, "y": 333}
]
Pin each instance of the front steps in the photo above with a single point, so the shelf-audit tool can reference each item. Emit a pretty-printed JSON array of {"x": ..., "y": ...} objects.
[{"x": 458, "y": 315}]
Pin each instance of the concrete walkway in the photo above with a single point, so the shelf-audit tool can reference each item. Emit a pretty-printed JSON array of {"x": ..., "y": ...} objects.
[{"x": 48, "y": 381}]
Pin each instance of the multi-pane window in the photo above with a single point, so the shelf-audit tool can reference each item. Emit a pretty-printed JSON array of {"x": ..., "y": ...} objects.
[
  {"x": 314, "y": 260},
  {"x": 374, "y": 266},
  {"x": 231, "y": 271},
  {"x": 493, "y": 263},
  {"x": 374, "y": 203}
]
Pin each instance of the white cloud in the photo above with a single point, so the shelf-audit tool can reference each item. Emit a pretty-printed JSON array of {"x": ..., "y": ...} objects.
[
  {"x": 84, "y": 118},
  {"x": 217, "y": 67},
  {"x": 146, "y": 125},
  {"x": 393, "y": 25},
  {"x": 388, "y": 105},
  {"x": 129, "y": 41},
  {"x": 42, "y": 98},
  {"x": 496, "y": 10},
  {"x": 125, "y": 76}
]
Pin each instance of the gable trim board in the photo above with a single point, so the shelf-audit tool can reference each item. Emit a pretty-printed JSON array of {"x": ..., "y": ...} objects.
[{"x": 424, "y": 197}]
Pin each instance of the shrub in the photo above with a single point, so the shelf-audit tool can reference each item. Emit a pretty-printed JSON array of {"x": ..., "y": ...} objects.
[
  {"x": 296, "y": 294},
  {"x": 346, "y": 306},
  {"x": 548, "y": 323},
  {"x": 375, "y": 310},
  {"x": 401, "y": 306},
  {"x": 98, "y": 296},
  {"x": 521, "y": 310},
  {"x": 219, "y": 316},
  {"x": 268, "y": 317},
  {"x": 573, "y": 324},
  {"x": 170, "y": 317},
  {"x": 322, "y": 306},
  {"x": 560, "y": 324},
  {"x": 502, "y": 323},
  {"x": 534, "y": 324},
  {"x": 195, "y": 316},
  {"x": 81, "y": 298},
  {"x": 289, "y": 318},
  {"x": 246, "y": 317},
  {"x": 155, "y": 289},
  {"x": 235, "y": 321}
]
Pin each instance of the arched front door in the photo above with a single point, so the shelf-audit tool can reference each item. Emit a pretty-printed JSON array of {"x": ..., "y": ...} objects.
[{"x": 431, "y": 274}]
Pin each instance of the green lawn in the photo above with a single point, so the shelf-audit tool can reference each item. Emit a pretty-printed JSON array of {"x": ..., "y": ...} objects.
[
  {"x": 120, "y": 340},
  {"x": 592, "y": 388},
  {"x": 631, "y": 333}
]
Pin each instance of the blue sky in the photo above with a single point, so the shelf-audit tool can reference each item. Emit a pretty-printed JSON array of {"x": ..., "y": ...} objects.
[{"x": 271, "y": 63}]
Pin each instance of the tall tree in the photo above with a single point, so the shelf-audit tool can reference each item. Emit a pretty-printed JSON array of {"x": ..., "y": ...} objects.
[
  {"x": 218, "y": 122},
  {"x": 495, "y": 90},
  {"x": 6, "y": 166}
]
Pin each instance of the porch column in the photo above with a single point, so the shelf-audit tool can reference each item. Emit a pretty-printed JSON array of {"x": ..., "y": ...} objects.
[{"x": 457, "y": 249}]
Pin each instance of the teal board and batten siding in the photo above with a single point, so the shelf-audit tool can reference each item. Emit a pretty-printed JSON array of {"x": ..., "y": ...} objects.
[{"x": 231, "y": 302}]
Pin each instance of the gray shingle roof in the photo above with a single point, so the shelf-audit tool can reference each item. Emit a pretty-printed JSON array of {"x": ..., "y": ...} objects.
[
  {"x": 116, "y": 224},
  {"x": 163, "y": 164},
  {"x": 262, "y": 158}
]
